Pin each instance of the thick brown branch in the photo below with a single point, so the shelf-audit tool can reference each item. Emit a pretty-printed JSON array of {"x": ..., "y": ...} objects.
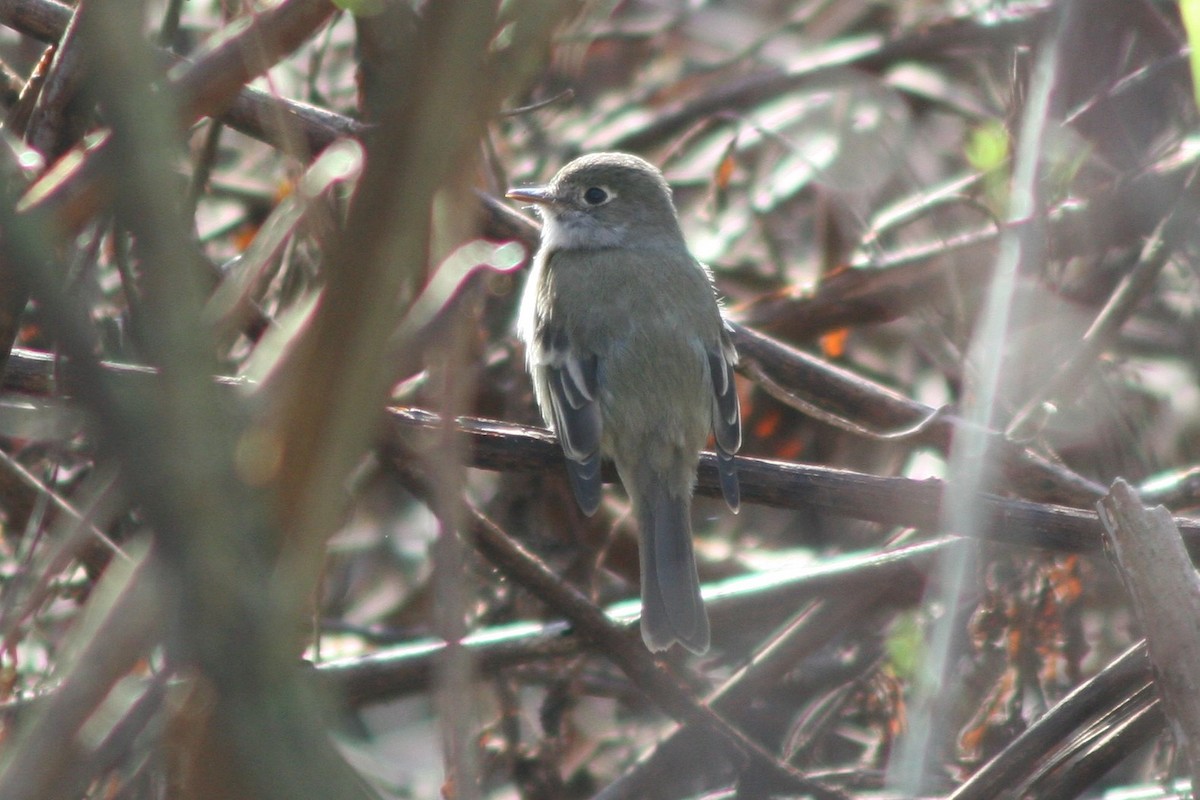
[{"x": 887, "y": 500}]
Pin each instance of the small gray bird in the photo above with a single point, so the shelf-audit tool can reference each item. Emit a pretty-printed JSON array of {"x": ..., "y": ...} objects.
[{"x": 631, "y": 358}]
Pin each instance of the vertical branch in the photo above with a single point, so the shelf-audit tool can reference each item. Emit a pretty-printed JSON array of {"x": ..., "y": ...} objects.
[
  {"x": 923, "y": 747},
  {"x": 455, "y": 700},
  {"x": 429, "y": 107},
  {"x": 176, "y": 436},
  {"x": 331, "y": 388}
]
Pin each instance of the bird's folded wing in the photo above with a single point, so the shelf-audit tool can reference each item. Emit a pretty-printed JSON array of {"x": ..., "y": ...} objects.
[
  {"x": 572, "y": 379},
  {"x": 726, "y": 417}
]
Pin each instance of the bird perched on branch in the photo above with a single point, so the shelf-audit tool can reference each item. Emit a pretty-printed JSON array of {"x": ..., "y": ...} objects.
[{"x": 631, "y": 358}]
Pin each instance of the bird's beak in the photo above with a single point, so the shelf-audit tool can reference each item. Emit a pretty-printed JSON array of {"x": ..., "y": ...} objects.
[{"x": 531, "y": 194}]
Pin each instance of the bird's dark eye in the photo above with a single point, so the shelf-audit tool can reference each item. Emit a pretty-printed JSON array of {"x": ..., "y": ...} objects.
[{"x": 594, "y": 196}]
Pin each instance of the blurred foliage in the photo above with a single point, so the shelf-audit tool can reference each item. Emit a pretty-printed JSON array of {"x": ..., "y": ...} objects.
[{"x": 243, "y": 328}]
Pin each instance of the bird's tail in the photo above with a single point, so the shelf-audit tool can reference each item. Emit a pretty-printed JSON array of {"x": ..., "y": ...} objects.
[{"x": 672, "y": 610}]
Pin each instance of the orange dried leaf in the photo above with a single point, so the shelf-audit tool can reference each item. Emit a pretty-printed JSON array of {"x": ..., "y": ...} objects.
[
  {"x": 767, "y": 425},
  {"x": 725, "y": 170},
  {"x": 244, "y": 236},
  {"x": 833, "y": 344}
]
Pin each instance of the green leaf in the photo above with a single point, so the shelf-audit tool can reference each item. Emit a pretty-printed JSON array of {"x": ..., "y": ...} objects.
[
  {"x": 1189, "y": 10},
  {"x": 987, "y": 147},
  {"x": 987, "y": 150},
  {"x": 905, "y": 646}
]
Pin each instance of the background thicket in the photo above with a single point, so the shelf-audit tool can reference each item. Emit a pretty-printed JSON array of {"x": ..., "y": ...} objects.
[{"x": 279, "y": 518}]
